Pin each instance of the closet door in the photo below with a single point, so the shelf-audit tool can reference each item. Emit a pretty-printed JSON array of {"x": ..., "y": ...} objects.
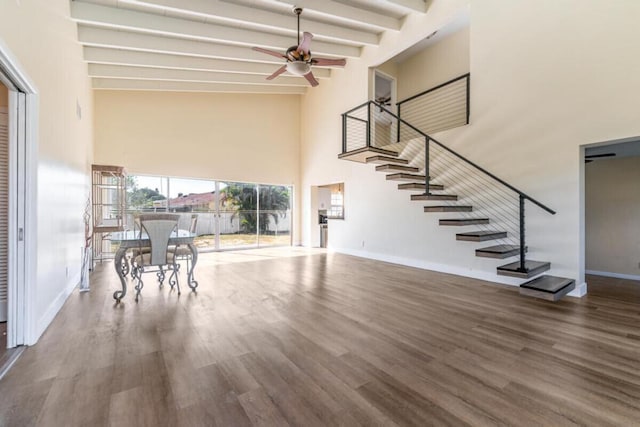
[{"x": 4, "y": 211}]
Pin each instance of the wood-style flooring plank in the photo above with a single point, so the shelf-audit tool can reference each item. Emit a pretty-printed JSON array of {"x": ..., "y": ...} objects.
[{"x": 300, "y": 337}]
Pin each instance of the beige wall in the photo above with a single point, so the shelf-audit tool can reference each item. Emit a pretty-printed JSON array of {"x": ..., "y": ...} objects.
[
  {"x": 445, "y": 60},
  {"x": 42, "y": 37},
  {"x": 612, "y": 200},
  {"x": 236, "y": 137},
  {"x": 4, "y": 96},
  {"x": 547, "y": 77}
]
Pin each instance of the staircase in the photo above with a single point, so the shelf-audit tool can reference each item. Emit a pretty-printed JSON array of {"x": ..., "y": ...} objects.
[{"x": 427, "y": 168}]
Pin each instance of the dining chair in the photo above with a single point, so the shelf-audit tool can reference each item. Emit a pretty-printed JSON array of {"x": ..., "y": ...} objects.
[
  {"x": 183, "y": 252},
  {"x": 156, "y": 228}
]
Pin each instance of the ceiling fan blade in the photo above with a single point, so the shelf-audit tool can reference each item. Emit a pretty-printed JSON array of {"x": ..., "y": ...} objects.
[
  {"x": 277, "y": 72},
  {"x": 306, "y": 42},
  {"x": 311, "y": 79},
  {"x": 269, "y": 52},
  {"x": 327, "y": 62}
]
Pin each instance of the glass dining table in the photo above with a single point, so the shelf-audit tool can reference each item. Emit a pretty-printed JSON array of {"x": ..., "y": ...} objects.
[{"x": 132, "y": 239}]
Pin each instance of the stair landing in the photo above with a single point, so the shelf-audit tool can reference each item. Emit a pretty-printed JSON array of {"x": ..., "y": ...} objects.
[{"x": 360, "y": 155}]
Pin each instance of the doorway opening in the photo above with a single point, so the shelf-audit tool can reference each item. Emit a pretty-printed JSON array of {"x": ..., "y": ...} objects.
[
  {"x": 611, "y": 207},
  {"x": 385, "y": 90}
]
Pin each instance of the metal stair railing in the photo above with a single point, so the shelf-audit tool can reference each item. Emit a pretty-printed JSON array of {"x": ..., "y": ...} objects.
[
  {"x": 361, "y": 123},
  {"x": 439, "y": 108}
]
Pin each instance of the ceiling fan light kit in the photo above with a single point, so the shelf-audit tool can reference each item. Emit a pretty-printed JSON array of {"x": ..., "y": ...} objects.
[
  {"x": 298, "y": 68},
  {"x": 299, "y": 58}
]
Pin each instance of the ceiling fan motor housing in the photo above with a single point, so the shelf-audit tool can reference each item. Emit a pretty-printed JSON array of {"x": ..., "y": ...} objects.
[{"x": 293, "y": 54}]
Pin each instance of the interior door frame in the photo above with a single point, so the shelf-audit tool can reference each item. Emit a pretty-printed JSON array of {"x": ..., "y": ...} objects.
[
  {"x": 23, "y": 131},
  {"x": 393, "y": 85}
]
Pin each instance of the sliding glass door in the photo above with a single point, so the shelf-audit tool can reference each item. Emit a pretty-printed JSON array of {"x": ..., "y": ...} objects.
[
  {"x": 230, "y": 215},
  {"x": 195, "y": 197},
  {"x": 274, "y": 215},
  {"x": 238, "y": 218}
]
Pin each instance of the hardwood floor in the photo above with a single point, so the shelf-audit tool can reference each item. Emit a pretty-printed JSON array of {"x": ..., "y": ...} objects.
[{"x": 296, "y": 337}]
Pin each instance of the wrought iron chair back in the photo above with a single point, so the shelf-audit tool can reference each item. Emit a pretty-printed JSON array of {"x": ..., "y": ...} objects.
[{"x": 157, "y": 228}]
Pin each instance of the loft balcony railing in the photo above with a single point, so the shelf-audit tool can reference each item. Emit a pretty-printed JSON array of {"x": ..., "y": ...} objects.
[{"x": 439, "y": 108}]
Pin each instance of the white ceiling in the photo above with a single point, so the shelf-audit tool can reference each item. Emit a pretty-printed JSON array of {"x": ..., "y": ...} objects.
[{"x": 205, "y": 45}]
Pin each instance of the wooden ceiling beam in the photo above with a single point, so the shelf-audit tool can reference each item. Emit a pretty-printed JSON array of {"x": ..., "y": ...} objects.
[
  {"x": 116, "y": 18},
  {"x": 100, "y": 55}
]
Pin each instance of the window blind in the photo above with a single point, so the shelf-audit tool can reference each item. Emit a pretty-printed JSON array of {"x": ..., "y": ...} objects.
[{"x": 4, "y": 212}]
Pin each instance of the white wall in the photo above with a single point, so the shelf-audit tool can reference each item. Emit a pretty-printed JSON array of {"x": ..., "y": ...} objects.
[
  {"x": 547, "y": 78},
  {"x": 445, "y": 60},
  {"x": 235, "y": 137},
  {"x": 612, "y": 210},
  {"x": 43, "y": 39}
]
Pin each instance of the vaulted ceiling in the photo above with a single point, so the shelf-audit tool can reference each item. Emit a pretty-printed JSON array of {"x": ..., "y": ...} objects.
[{"x": 205, "y": 45}]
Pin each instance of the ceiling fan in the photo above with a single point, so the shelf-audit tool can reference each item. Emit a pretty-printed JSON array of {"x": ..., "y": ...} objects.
[{"x": 299, "y": 58}]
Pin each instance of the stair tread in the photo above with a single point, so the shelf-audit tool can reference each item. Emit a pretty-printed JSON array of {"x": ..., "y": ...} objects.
[
  {"x": 481, "y": 236},
  {"x": 448, "y": 208},
  {"x": 404, "y": 175},
  {"x": 547, "y": 283},
  {"x": 533, "y": 268},
  {"x": 481, "y": 233},
  {"x": 499, "y": 248},
  {"x": 386, "y": 159},
  {"x": 465, "y": 220},
  {"x": 528, "y": 264},
  {"x": 499, "y": 251},
  {"x": 394, "y": 167},
  {"x": 419, "y": 186},
  {"x": 435, "y": 197}
]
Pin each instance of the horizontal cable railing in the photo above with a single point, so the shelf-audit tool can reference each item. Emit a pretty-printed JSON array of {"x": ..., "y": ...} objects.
[
  {"x": 490, "y": 196},
  {"x": 367, "y": 126},
  {"x": 443, "y": 107}
]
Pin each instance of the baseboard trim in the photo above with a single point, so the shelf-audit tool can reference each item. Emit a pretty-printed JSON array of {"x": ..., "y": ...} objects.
[
  {"x": 432, "y": 266},
  {"x": 53, "y": 309},
  {"x": 614, "y": 275},
  {"x": 579, "y": 291},
  {"x": 10, "y": 358}
]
